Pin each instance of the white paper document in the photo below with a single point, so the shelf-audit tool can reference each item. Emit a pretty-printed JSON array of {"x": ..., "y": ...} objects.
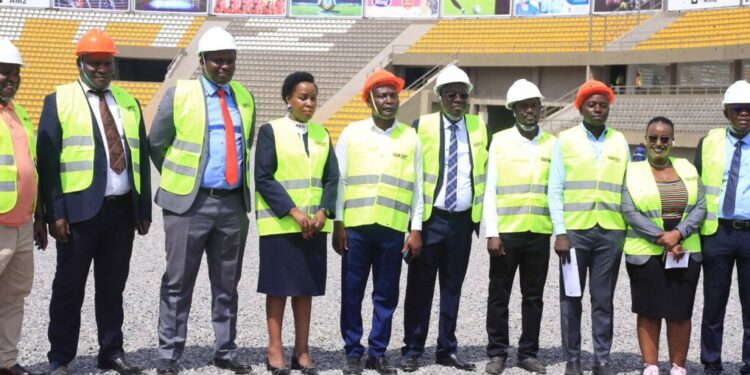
[
  {"x": 571, "y": 281},
  {"x": 671, "y": 263}
]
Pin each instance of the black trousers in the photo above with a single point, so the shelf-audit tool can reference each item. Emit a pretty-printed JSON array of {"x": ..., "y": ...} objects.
[
  {"x": 529, "y": 253},
  {"x": 446, "y": 245},
  {"x": 107, "y": 239}
]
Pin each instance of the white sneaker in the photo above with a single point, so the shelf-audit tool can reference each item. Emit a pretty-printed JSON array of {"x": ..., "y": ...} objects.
[
  {"x": 650, "y": 369},
  {"x": 677, "y": 370}
]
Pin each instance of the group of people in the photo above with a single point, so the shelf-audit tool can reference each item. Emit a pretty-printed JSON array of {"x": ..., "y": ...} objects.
[{"x": 388, "y": 192}]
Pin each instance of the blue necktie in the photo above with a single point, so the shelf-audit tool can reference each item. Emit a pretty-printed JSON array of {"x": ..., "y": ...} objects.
[
  {"x": 452, "y": 183},
  {"x": 730, "y": 195}
]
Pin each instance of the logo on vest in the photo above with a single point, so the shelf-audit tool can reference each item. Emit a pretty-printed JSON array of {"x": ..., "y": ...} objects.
[
  {"x": 545, "y": 159},
  {"x": 614, "y": 158},
  {"x": 398, "y": 155}
]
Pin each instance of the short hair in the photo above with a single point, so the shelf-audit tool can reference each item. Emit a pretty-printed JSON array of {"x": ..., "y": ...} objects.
[
  {"x": 291, "y": 81},
  {"x": 661, "y": 119}
]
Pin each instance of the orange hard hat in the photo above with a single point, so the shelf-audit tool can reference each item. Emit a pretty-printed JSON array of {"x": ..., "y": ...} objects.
[
  {"x": 95, "y": 41},
  {"x": 592, "y": 87},
  {"x": 380, "y": 78}
]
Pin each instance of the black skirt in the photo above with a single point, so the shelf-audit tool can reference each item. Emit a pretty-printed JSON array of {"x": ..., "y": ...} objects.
[
  {"x": 660, "y": 293},
  {"x": 292, "y": 266}
]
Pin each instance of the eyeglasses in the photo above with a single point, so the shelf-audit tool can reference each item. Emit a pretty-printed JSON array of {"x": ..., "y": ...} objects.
[
  {"x": 663, "y": 139},
  {"x": 454, "y": 95},
  {"x": 739, "y": 108}
]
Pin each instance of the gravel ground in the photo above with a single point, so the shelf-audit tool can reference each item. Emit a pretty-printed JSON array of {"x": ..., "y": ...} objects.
[{"x": 141, "y": 311}]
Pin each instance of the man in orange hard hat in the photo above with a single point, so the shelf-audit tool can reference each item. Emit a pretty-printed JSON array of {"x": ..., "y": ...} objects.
[
  {"x": 95, "y": 178},
  {"x": 380, "y": 191}
]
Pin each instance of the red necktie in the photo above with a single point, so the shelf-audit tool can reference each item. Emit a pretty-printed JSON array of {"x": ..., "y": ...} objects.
[{"x": 231, "y": 171}]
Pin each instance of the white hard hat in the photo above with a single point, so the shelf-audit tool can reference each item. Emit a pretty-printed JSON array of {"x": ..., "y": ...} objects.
[
  {"x": 521, "y": 90},
  {"x": 738, "y": 92},
  {"x": 216, "y": 39},
  {"x": 9, "y": 53},
  {"x": 451, "y": 74}
]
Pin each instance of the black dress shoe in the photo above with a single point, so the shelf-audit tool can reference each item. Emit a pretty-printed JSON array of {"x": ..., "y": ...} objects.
[
  {"x": 232, "y": 364},
  {"x": 353, "y": 366},
  {"x": 18, "y": 370},
  {"x": 381, "y": 365},
  {"x": 119, "y": 364},
  {"x": 277, "y": 370},
  {"x": 409, "y": 364},
  {"x": 453, "y": 360},
  {"x": 304, "y": 370},
  {"x": 167, "y": 367}
]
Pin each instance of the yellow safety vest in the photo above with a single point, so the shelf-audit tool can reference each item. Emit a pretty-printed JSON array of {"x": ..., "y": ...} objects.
[
  {"x": 8, "y": 168},
  {"x": 180, "y": 168},
  {"x": 713, "y": 162},
  {"x": 522, "y": 186},
  {"x": 300, "y": 175},
  {"x": 593, "y": 190},
  {"x": 379, "y": 186},
  {"x": 645, "y": 193},
  {"x": 429, "y": 134},
  {"x": 77, "y": 155}
]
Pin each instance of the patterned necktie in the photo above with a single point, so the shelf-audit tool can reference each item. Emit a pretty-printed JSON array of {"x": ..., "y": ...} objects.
[
  {"x": 114, "y": 141},
  {"x": 231, "y": 172},
  {"x": 452, "y": 183},
  {"x": 730, "y": 195}
]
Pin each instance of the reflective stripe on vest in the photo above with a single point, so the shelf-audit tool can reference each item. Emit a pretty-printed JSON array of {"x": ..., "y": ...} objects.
[
  {"x": 593, "y": 189},
  {"x": 180, "y": 168},
  {"x": 8, "y": 168},
  {"x": 300, "y": 175},
  {"x": 378, "y": 184},
  {"x": 429, "y": 134},
  {"x": 521, "y": 195},
  {"x": 77, "y": 155},
  {"x": 713, "y": 165},
  {"x": 643, "y": 189}
]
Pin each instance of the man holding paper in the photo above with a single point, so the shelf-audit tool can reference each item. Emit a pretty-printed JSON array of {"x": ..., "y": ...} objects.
[{"x": 585, "y": 192}]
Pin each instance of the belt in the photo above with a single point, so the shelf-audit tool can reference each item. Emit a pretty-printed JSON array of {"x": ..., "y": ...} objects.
[
  {"x": 116, "y": 198},
  {"x": 736, "y": 224},
  {"x": 451, "y": 213},
  {"x": 219, "y": 193}
]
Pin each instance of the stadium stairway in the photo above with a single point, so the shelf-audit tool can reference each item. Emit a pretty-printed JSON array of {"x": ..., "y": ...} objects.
[{"x": 642, "y": 31}]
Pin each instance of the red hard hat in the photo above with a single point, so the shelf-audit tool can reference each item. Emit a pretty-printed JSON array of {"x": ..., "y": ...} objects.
[
  {"x": 95, "y": 41},
  {"x": 592, "y": 87},
  {"x": 379, "y": 78}
]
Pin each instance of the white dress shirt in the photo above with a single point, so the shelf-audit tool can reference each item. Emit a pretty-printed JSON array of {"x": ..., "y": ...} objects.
[
  {"x": 383, "y": 139},
  {"x": 489, "y": 214},
  {"x": 117, "y": 184},
  {"x": 463, "y": 180}
]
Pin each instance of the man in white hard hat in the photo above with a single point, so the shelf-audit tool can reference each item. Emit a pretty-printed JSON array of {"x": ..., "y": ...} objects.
[
  {"x": 722, "y": 159},
  {"x": 18, "y": 198},
  {"x": 454, "y": 155},
  {"x": 200, "y": 144},
  {"x": 518, "y": 227}
]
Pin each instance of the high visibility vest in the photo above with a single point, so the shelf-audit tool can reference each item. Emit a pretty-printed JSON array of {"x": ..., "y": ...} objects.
[
  {"x": 298, "y": 173},
  {"x": 647, "y": 199},
  {"x": 379, "y": 187},
  {"x": 180, "y": 169},
  {"x": 77, "y": 155},
  {"x": 429, "y": 134},
  {"x": 8, "y": 167},
  {"x": 593, "y": 190},
  {"x": 521, "y": 193},
  {"x": 713, "y": 162}
]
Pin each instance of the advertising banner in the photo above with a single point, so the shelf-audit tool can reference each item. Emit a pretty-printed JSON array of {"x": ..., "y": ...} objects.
[
  {"x": 93, "y": 4},
  {"x": 607, "y": 6},
  {"x": 473, "y": 8},
  {"x": 25, "y": 3},
  {"x": 184, "y": 6},
  {"x": 401, "y": 8},
  {"x": 249, "y": 7},
  {"x": 326, "y": 8},
  {"x": 700, "y": 4},
  {"x": 533, "y": 8}
]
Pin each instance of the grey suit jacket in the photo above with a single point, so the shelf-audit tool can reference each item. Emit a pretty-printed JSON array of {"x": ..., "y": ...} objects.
[{"x": 160, "y": 138}]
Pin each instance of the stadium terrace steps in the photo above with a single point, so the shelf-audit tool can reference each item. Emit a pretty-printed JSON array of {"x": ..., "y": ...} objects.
[
  {"x": 690, "y": 113},
  {"x": 354, "y": 110},
  {"x": 705, "y": 28}
]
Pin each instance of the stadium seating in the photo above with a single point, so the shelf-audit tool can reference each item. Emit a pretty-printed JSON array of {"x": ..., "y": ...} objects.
[
  {"x": 539, "y": 35},
  {"x": 706, "y": 28},
  {"x": 354, "y": 110},
  {"x": 691, "y": 113}
]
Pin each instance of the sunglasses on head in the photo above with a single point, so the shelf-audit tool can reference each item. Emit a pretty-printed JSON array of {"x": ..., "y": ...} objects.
[
  {"x": 454, "y": 95},
  {"x": 663, "y": 139},
  {"x": 739, "y": 108}
]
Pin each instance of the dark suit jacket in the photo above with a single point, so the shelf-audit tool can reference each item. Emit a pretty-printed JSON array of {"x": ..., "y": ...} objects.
[{"x": 83, "y": 205}]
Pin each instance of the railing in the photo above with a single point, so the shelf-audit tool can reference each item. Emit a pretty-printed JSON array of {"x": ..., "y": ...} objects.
[
  {"x": 670, "y": 90},
  {"x": 173, "y": 65},
  {"x": 421, "y": 81}
]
